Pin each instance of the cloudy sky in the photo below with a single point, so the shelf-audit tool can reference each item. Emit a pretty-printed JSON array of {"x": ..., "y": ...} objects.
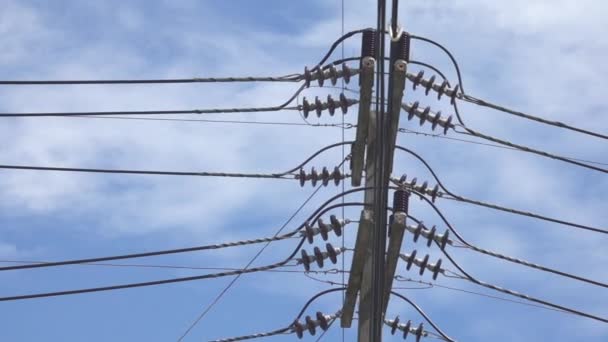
[{"x": 544, "y": 57}]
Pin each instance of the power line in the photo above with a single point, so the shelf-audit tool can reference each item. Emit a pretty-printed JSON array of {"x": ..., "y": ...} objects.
[
  {"x": 251, "y": 261},
  {"x": 282, "y": 175},
  {"x": 559, "y": 124},
  {"x": 345, "y": 125},
  {"x": 440, "y": 136},
  {"x": 423, "y": 314},
  {"x": 143, "y": 172},
  {"x": 472, "y": 132},
  {"x": 148, "y": 254},
  {"x": 178, "y": 267},
  {"x": 467, "y": 276},
  {"x": 480, "y": 102},
  {"x": 146, "y": 284},
  {"x": 497, "y": 207},
  {"x": 286, "y": 78},
  {"x": 435, "y": 285},
  {"x": 506, "y": 257}
]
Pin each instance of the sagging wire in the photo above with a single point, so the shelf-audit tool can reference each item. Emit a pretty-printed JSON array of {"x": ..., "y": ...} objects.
[
  {"x": 471, "y": 132},
  {"x": 316, "y": 73},
  {"x": 466, "y": 276},
  {"x": 289, "y": 174},
  {"x": 423, "y": 314},
  {"x": 296, "y": 327},
  {"x": 494, "y": 206},
  {"x": 463, "y": 96}
]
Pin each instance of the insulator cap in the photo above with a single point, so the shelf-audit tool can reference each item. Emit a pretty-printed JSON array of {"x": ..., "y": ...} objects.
[
  {"x": 325, "y": 176},
  {"x": 346, "y": 73},
  {"x": 298, "y": 328},
  {"x": 436, "y": 269},
  {"x": 406, "y": 329},
  {"x": 333, "y": 74},
  {"x": 306, "y": 260},
  {"x": 318, "y": 257},
  {"x": 423, "y": 264},
  {"x": 336, "y": 225},
  {"x": 322, "y": 320},
  {"x": 305, "y": 107},
  {"x": 331, "y": 253},
  {"x": 311, "y": 326},
  {"x": 445, "y": 239},
  {"x": 307, "y": 77},
  {"x": 310, "y": 233},
  {"x": 410, "y": 260},
  {"x": 419, "y": 332},
  {"x": 318, "y": 106},
  {"x": 323, "y": 229},
  {"x": 395, "y": 325},
  {"x": 431, "y": 236}
]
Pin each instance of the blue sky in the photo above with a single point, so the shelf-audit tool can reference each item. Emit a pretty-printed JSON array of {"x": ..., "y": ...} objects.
[{"x": 546, "y": 57}]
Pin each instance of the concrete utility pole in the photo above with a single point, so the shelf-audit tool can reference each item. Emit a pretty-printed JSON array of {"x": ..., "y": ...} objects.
[{"x": 373, "y": 268}]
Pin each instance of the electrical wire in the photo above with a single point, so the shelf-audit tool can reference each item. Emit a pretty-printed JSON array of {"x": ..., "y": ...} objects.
[
  {"x": 178, "y": 267},
  {"x": 470, "y": 278},
  {"x": 221, "y": 294},
  {"x": 285, "y": 330},
  {"x": 151, "y": 283},
  {"x": 559, "y": 124},
  {"x": 435, "y": 285},
  {"x": 142, "y": 172},
  {"x": 343, "y": 170},
  {"x": 281, "y": 175},
  {"x": 234, "y": 280},
  {"x": 328, "y": 327},
  {"x": 446, "y": 337},
  {"x": 317, "y": 213},
  {"x": 487, "y": 104},
  {"x": 283, "y": 106},
  {"x": 285, "y": 78},
  {"x": 345, "y": 125},
  {"x": 516, "y": 260},
  {"x": 497, "y": 207},
  {"x": 147, "y": 254},
  {"x": 472, "y": 132},
  {"x": 441, "y": 136}
]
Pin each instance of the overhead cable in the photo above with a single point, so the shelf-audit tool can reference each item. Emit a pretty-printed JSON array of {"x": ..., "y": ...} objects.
[
  {"x": 282, "y": 175},
  {"x": 497, "y": 207},
  {"x": 310, "y": 324},
  {"x": 474, "y": 280},
  {"x": 472, "y": 132},
  {"x": 423, "y": 314}
]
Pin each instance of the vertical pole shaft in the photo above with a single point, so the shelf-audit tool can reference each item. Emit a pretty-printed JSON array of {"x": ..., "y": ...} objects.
[{"x": 381, "y": 190}]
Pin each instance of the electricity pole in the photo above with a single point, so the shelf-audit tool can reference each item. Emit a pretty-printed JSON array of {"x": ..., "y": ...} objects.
[{"x": 372, "y": 266}]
